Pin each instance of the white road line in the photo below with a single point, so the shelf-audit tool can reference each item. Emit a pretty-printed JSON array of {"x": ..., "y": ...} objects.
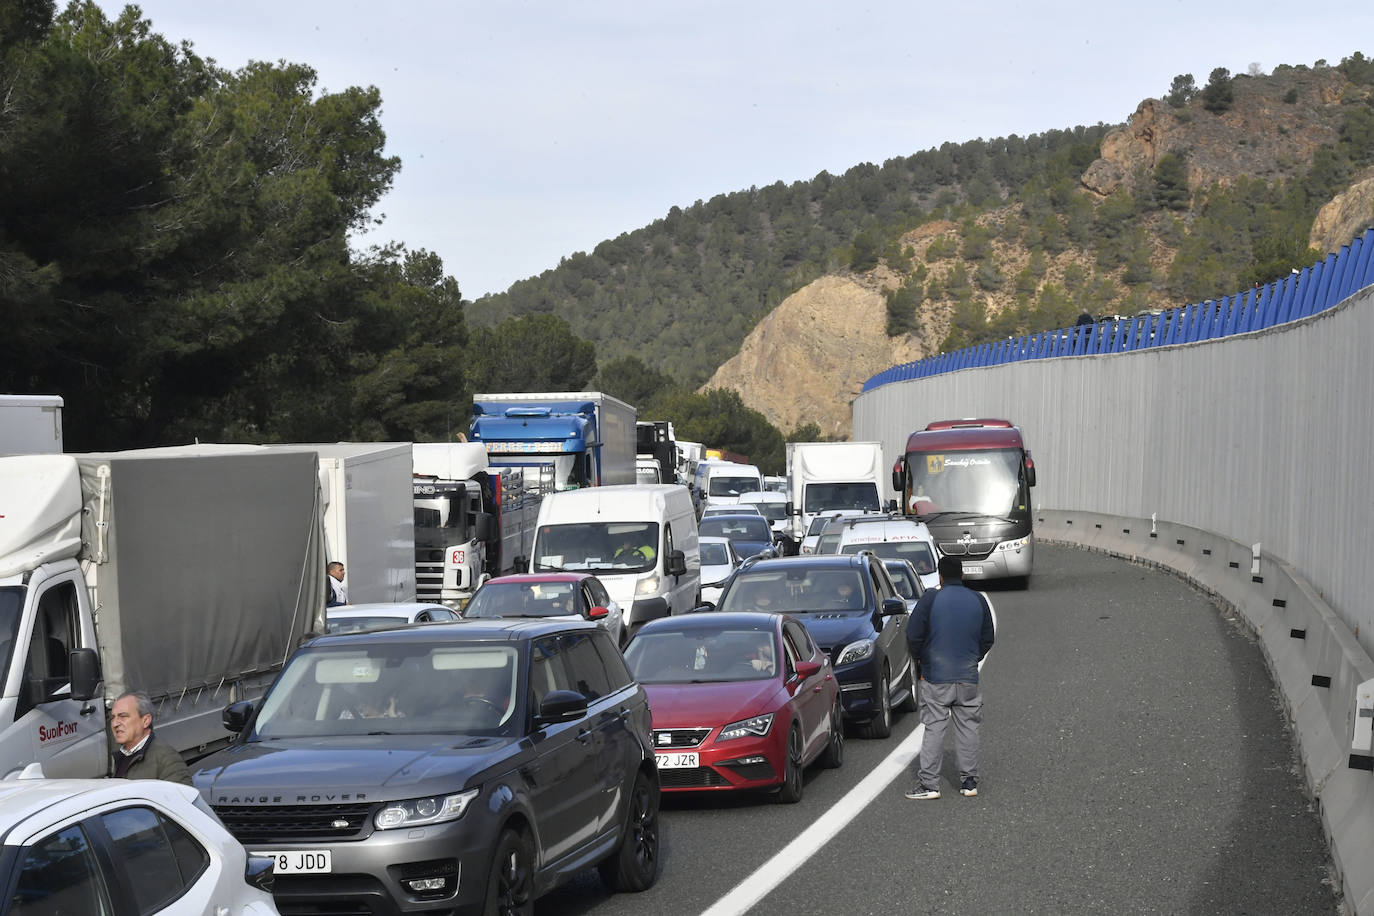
[{"x": 811, "y": 840}]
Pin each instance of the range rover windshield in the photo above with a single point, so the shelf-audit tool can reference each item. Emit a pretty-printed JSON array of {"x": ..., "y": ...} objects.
[{"x": 394, "y": 689}]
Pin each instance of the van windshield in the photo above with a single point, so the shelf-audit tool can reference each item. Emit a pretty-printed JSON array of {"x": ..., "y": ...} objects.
[
  {"x": 733, "y": 486},
  {"x": 597, "y": 547}
]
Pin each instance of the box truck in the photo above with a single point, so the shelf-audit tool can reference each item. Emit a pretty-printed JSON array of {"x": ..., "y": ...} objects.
[
  {"x": 188, "y": 573},
  {"x": 369, "y": 518},
  {"x": 833, "y": 475}
]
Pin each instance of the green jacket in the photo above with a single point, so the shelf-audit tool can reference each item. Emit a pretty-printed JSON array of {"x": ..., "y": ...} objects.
[{"x": 155, "y": 761}]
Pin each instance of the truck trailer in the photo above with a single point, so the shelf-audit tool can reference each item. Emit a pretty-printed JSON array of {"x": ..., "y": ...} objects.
[
  {"x": 369, "y": 518},
  {"x": 189, "y": 574},
  {"x": 30, "y": 424}
]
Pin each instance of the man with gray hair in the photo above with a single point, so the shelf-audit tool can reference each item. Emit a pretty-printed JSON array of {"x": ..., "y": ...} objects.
[{"x": 140, "y": 755}]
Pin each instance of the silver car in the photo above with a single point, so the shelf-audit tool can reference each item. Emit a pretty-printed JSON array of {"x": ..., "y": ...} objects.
[{"x": 718, "y": 560}]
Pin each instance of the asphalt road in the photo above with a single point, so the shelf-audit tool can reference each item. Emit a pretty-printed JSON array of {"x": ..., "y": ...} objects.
[{"x": 1134, "y": 760}]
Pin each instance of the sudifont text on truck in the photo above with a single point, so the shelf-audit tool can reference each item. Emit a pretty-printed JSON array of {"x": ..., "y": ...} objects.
[{"x": 969, "y": 481}]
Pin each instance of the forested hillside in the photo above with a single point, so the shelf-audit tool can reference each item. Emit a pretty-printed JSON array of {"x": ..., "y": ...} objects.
[
  {"x": 682, "y": 293},
  {"x": 1208, "y": 190}
]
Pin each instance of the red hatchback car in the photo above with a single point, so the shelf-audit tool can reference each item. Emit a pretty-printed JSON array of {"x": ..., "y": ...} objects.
[{"x": 739, "y": 701}]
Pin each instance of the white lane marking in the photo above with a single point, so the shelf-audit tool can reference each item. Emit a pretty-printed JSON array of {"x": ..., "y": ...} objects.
[{"x": 824, "y": 829}]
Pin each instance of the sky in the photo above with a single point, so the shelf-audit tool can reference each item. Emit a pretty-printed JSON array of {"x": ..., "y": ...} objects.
[{"x": 528, "y": 131}]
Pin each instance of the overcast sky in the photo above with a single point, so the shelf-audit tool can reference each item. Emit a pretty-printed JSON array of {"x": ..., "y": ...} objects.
[{"x": 528, "y": 131}]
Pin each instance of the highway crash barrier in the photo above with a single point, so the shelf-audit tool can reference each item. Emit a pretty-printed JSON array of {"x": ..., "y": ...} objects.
[{"x": 1325, "y": 676}]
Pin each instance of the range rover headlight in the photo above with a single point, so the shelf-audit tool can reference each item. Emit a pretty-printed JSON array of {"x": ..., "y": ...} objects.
[{"x": 416, "y": 812}]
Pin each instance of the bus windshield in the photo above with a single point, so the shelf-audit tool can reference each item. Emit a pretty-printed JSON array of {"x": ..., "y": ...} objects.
[{"x": 975, "y": 482}]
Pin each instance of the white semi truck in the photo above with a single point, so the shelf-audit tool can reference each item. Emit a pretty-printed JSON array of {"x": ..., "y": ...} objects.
[{"x": 188, "y": 573}]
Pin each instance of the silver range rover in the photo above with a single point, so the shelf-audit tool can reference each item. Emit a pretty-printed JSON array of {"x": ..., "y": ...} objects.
[{"x": 442, "y": 767}]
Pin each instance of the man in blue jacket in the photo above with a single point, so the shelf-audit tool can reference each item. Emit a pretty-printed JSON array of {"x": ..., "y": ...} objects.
[{"x": 950, "y": 630}]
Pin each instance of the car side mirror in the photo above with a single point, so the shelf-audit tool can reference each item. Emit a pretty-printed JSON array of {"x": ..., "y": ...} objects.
[
  {"x": 258, "y": 872},
  {"x": 893, "y": 606},
  {"x": 236, "y": 715},
  {"x": 808, "y": 669},
  {"x": 597, "y": 612},
  {"x": 85, "y": 674},
  {"x": 560, "y": 706},
  {"x": 677, "y": 563},
  {"x": 704, "y": 608}
]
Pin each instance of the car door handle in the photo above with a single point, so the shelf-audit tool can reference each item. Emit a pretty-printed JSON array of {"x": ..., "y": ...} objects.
[
  {"x": 584, "y": 735},
  {"x": 623, "y": 713}
]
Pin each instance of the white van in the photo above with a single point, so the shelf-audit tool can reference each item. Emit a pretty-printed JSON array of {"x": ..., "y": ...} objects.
[
  {"x": 893, "y": 537},
  {"x": 640, "y": 541},
  {"x": 720, "y": 483}
]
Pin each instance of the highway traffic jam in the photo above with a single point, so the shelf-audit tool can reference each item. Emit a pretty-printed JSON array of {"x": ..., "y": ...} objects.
[{"x": 531, "y": 636}]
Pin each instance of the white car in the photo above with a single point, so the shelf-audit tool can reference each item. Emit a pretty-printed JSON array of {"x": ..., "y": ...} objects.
[
  {"x": 718, "y": 560},
  {"x": 893, "y": 537},
  {"x": 353, "y": 618},
  {"x": 818, "y": 523},
  {"x": 111, "y": 846}
]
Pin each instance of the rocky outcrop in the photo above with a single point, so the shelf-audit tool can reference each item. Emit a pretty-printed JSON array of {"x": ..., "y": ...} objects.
[
  {"x": 1344, "y": 217},
  {"x": 808, "y": 360}
]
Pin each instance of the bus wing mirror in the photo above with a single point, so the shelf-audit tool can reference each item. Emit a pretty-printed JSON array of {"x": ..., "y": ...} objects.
[{"x": 1030, "y": 470}]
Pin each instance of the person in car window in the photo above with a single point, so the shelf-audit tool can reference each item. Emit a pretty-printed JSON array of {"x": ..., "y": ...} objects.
[
  {"x": 764, "y": 658},
  {"x": 631, "y": 551},
  {"x": 950, "y": 631},
  {"x": 140, "y": 755}
]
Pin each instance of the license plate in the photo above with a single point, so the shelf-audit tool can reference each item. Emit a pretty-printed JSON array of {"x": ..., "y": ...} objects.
[
  {"x": 305, "y": 862},
  {"x": 677, "y": 761},
  {"x": 973, "y": 570}
]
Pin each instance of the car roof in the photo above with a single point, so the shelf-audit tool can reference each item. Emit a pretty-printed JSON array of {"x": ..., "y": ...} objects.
[
  {"x": 691, "y": 623},
  {"x": 381, "y": 608},
  {"x": 819, "y": 560},
  {"x": 476, "y": 629},
  {"x": 733, "y": 516},
  {"x": 538, "y": 578},
  {"x": 21, "y": 799}
]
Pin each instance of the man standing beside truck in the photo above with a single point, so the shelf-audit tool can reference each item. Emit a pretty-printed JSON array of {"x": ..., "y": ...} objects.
[{"x": 140, "y": 755}]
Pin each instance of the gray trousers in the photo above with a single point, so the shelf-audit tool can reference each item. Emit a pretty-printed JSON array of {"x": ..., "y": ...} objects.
[{"x": 940, "y": 703}]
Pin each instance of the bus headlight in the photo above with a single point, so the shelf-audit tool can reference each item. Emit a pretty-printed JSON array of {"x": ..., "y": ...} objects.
[{"x": 1018, "y": 544}]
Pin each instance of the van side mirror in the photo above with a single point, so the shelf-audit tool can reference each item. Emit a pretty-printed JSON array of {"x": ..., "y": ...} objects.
[
  {"x": 85, "y": 674},
  {"x": 791, "y": 510},
  {"x": 677, "y": 564},
  {"x": 521, "y": 564},
  {"x": 890, "y": 506}
]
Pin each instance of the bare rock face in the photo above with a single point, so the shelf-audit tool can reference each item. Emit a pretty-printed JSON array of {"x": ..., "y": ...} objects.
[
  {"x": 1130, "y": 148},
  {"x": 1343, "y": 217},
  {"x": 808, "y": 360},
  {"x": 1262, "y": 135}
]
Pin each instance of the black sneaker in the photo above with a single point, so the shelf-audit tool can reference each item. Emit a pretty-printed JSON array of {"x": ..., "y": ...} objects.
[
  {"x": 921, "y": 793},
  {"x": 969, "y": 787}
]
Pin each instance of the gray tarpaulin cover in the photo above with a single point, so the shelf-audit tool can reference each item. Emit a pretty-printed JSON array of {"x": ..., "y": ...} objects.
[{"x": 206, "y": 562}]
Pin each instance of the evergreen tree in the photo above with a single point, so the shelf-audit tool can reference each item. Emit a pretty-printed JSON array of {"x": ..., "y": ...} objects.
[{"x": 1218, "y": 94}]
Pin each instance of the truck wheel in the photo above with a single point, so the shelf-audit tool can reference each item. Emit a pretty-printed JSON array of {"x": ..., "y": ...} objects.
[
  {"x": 510, "y": 886},
  {"x": 634, "y": 864}
]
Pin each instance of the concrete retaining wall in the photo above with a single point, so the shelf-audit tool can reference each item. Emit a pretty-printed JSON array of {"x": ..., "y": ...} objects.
[{"x": 1244, "y": 464}]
